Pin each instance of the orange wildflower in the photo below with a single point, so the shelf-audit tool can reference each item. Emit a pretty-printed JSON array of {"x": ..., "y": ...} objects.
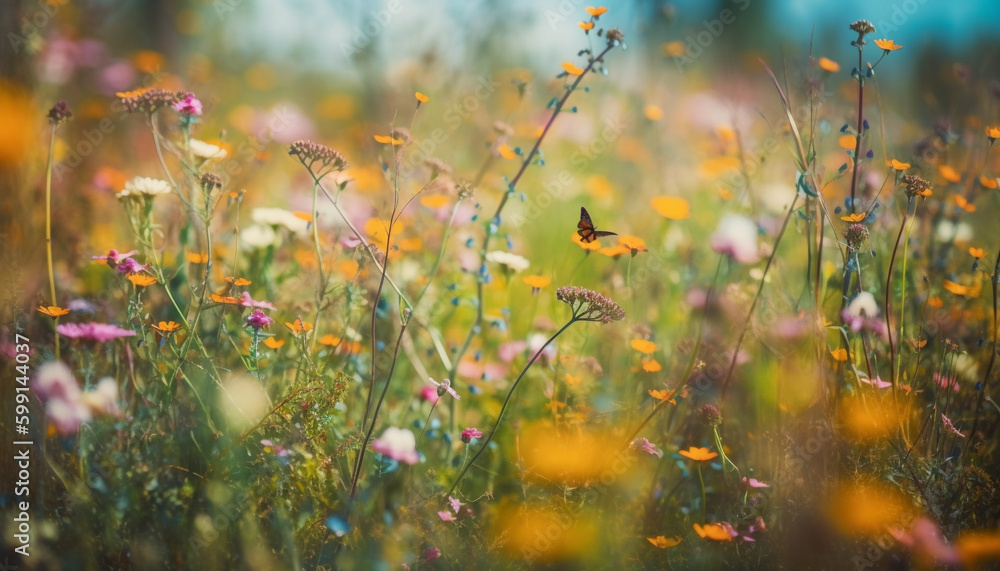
[
  {"x": 586, "y": 25},
  {"x": 571, "y": 69},
  {"x": 698, "y": 454},
  {"x": 52, "y": 311},
  {"x": 839, "y": 354},
  {"x": 599, "y": 11},
  {"x": 671, "y": 207},
  {"x": 898, "y": 165},
  {"x": 977, "y": 253},
  {"x": 421, "y": 98},
  {"x": 992, "y": 132},
  {"x": 714, "y": 531},
  {"x": 827, "y": 64},
  {"x": 141, "y": 280},
  {"x": 196, "y": 257},
  {"x": 856, "y": 217},
  {"x": 218, "y": 298},
  {"x": 949, "y": 174},
  {"x": 274, "y": 343},
  {"x": 299, "y": 326},
  {"x": 238, "y": 281},
  {"x": 662, "y": 542},
  {"x": 386, "y": 140},
  {"x": 888, "y": 45},
  {"x": 167, "y": 327},
  {"x": 643, "y": 346}
]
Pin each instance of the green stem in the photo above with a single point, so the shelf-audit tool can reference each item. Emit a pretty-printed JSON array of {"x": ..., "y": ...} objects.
[
  {"x": 506, "y": 402},
  {"x": 48, "y": 228}
]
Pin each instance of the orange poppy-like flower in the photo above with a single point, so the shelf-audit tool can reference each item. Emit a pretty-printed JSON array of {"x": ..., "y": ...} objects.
[
  {"x": 959, "y": 289},
  {"x": 993, "y": 132},
  {"x": 298, "y": 326},
  {"x": 599, "y": 11},
  {"x": 935, "y": 302},
  {"x": 274, "y": 343},
  {"x": 421, "y": 98},
  {"x": 238, "y": 281},
  {"x": 141, "y": 280},
  {"x": 218, "y": 298},
  {"x": 506, "y": 152},
  {"x": 633, "y": 243},
  {"x": 615, "y": 251},
  {"x": 330, "y": 340},
  {"x": 827, "y": 64},
  {"x": 714, "y": 531},
  {"x": 131, "y": 94},
  {"x": 308, "y": 217},
  {"x": 586, "y": 25},
  {"x": 572, "y": 69},
  {"x": 856, "y": 217},
  {"x": 434, "y": 200},
  {"x": 167, "y": 327},
  {"x": 643, "y": 346},
  {"x": 839, "y": 354},
  {"x": 988, "y": 182},
  {"x": 898, "y": 165},
  {"x": 917, "y": 345},
  {"x": 651, "y": 365},
  {"x": 52, "y": 311},
  {"x": 977, "y": 253},
  {"x": 652, "y": 112},
  {"x": 196, "y": 257},
  {"x": 536, "y": 282},
  {"x": 888, "y": 45},
  {"x": 663, "y": 542},
  {"x": 663, "y": 395},
  {"x": 386, "y": 140},
  {"x": 949, "y": 174},
  {"x": 589, "y": 246},
  {"x": 963, "y": 203},
  {"x": 671, "y": 207},
  {"x": 698, "y": 454}
]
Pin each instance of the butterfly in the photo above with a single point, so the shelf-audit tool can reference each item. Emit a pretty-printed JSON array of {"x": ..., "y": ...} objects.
[{"x": 587, "y": 231}]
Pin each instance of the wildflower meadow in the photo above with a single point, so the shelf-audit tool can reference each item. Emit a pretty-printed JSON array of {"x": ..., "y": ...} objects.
[{"x": 463, "y": 285}]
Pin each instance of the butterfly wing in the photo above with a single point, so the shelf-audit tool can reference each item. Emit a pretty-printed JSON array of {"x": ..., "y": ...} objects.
[
  {"x": 585, "y": 227},
  {"x": 601, "y": 233}
]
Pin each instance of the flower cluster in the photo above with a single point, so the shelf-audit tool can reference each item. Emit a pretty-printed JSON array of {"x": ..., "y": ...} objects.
[
  {"x": 100, "y": 332},
  {"x": 123, "y": 263},
  {"x": 188, "y": 104},
  {"x": 863, "y": 28},
  {"x": 310, "y": 153},
  {"x": 589, "y": 305},
  {"x": 148, "y": 100},
  {"x": 916, "y": 186},
  {"x": 210, "y": 181}
]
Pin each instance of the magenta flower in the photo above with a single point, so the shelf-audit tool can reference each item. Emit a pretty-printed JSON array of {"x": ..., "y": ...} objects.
[
  {"x": 429, "y": 394},
  {"x": 398, "y": 444},
  {"x": 100, "y": 332},
  {"x": 279, "y": 450},
  {"x": 736, "y": 237},
  {"x": 754, "y": 483},
  {"x": 469, "y": 433},
  {"x": 66, "y": 406},
  {"x": 122, "y": 263},
  {"x": 456, "y": 504},
  {"x": 446, "y": 516},
  {"x": 259, "y": 320},
  {"x": 926, "y": 543},
  {"x": 646, "y": 446},
  {"x": 189, "y": 105},
  {"x": 444, "y": 387}
]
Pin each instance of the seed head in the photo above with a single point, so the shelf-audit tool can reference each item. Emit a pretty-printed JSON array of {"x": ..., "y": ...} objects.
[{"x": 589, "y": 305}]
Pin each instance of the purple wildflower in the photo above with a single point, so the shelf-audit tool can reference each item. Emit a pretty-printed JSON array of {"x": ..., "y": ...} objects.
[
  {"x": 188, "y": 105},
  {"x": 469, "y": 433},
  {"x": 259, "y": 320}
]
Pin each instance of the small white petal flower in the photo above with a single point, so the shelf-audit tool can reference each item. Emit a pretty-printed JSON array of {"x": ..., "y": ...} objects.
[
  {"x": 280, "y": 217},
  {"x": 863, "y": 305},
  {"x": 512, "y": 262},
  {"x": 144, "y": 185},
  {"x": 258, "y": 236},
  {"x": 398, "y": 444},
  {"x": 204, "y": 150},
  {"x": 736, "y": 237}
]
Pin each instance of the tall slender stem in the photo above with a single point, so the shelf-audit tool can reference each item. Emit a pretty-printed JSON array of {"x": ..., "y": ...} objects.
[
  {"x": 506, "y": 402},
  {"x": 48, "y": 228}
]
